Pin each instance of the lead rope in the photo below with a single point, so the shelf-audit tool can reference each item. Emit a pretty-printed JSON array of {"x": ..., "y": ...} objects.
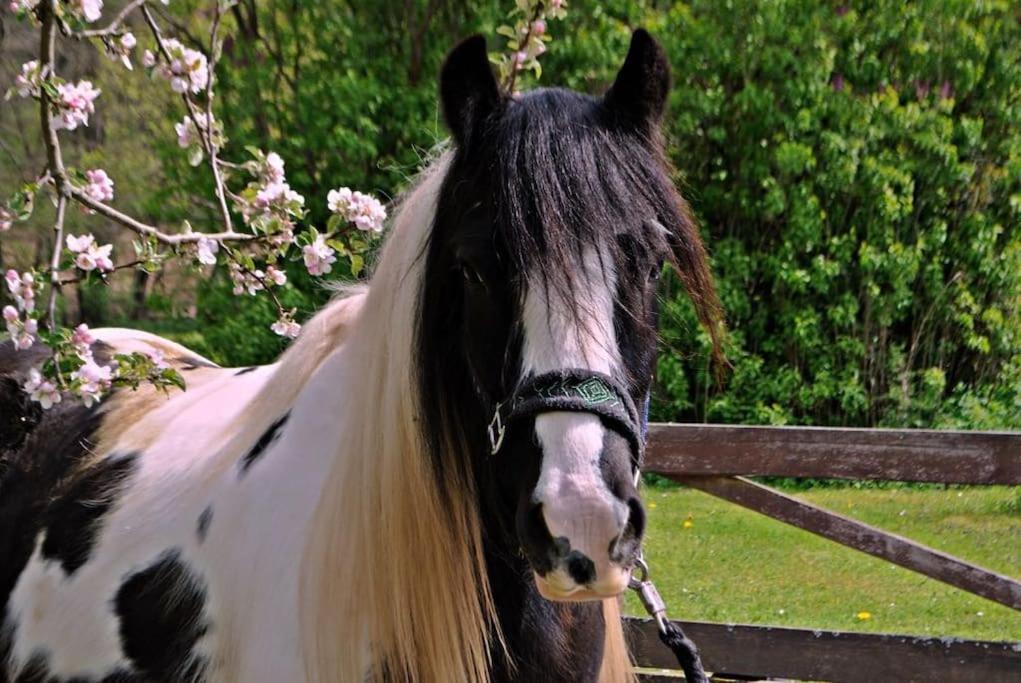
[{"x": 669, "y": 633}]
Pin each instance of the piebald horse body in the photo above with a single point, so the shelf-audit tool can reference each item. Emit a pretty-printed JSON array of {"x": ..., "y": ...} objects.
[{"x": 342, "y": 514}]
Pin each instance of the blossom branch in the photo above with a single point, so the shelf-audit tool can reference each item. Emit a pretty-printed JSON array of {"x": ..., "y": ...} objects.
[
  {"x": 205, "y": 131},
  {"x": 151, "y": 231},
  {"x": 58, "y": 244},
  {"x": 114, "y": 27},
  {"x": 82, "y": 277},
  {"x": 269, "y": 208},
  {"x": 47, "y": 52}
]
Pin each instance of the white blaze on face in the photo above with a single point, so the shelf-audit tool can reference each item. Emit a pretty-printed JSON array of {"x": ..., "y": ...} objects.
[{"x": 564, "y": 334}]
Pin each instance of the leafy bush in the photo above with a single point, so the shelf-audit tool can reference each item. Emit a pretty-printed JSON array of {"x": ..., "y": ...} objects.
[
  {"x": 858, "y": 171},
  {"x": 857, "y": 168}
]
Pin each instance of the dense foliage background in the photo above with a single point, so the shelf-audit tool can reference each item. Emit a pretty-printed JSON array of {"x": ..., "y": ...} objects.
[{"x": 857, "y": 169}]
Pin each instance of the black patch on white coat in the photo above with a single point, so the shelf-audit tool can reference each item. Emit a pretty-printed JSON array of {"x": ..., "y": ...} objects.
[
  {"x": 75, "y": 516},
  {"x": 41, "y": 453},
  {"x": 205, "y": 519},
  {"x": 161, "y": 617},
  {"x": 245, "y": 371},
  {"x": 267, "y": 439}
]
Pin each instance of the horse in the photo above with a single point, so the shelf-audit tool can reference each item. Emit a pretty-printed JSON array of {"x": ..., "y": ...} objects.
[{"x": 437, "y": 481}]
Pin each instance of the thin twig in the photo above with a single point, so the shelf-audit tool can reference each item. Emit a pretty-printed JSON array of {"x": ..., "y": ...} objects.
[
  {"x": 205, "y": 133},
  {"x": 523, "y": 45},
  {"x": 114, "y": 27},
  {"x": 58, "y": 241},
  {"x": 151, "y": 231},
  {"x": 214, "y": 57},
  {"x": 260, "y": 278},
  {"x": 82, "y": 277}
]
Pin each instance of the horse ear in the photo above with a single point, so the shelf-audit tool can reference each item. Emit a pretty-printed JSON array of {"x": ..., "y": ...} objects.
[
  {"x": 468, "y": 89},
  {"x": 639, "y": 93}
]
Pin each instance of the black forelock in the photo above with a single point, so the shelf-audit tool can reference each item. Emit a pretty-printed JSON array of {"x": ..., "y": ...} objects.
[{"x": 566, "y": 175}]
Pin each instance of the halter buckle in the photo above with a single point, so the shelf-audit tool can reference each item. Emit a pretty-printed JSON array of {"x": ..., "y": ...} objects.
[
  {"x": 651, "y": 600},
  {"x": 496, "y": 430}
]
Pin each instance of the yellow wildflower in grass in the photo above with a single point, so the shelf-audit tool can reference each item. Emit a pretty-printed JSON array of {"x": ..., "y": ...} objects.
[
  {"x": 688, "y": 523},
  {"x": 652, "y": 506},
  {"x": 864, "y": 616}
]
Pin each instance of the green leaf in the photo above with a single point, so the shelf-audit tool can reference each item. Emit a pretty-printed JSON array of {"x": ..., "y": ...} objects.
[{"x": 357, "y": 264}]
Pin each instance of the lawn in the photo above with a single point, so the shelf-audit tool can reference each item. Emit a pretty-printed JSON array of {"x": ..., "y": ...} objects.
[{"x": 715, "y": 561}]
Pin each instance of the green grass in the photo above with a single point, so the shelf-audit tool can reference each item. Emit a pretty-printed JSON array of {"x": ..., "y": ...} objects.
[{"x": 735, "y": 566}]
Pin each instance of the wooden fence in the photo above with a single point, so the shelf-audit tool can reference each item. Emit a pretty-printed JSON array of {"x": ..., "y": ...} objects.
[{"x": 716, "y": 459}]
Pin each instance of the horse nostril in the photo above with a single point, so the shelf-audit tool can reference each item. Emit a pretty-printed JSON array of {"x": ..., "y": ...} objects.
[
  {"x": 636, "y": 517},
  {"x": 625, "y": 547},
  {"x": 581, "y": 568}
]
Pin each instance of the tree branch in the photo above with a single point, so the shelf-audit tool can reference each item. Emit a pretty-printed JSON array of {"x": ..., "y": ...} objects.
[
  {"x": 58, "y": 240},
  {"x": 114, "y": 27},
  {"x": 151, "y": 231},
  {"x": 205, "y": 132}
]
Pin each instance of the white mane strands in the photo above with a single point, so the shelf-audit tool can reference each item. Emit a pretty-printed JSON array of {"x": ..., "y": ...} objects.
[{"x": 393, "y": 574}]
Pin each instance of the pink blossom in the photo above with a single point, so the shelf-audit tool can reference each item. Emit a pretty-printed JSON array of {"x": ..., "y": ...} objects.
[
  {"x": 274, "y": 168},
  {"x": 83, "y": 340},
  {"x": 319, "y": 256},
  {"x": 6, "y": 219},
  {"x": 276, "y": 276},
  {"x": 93, "y": 380},
  {"x": 520, "y": 57},
  {"x": 188, "y": 69},
  {"x": 148, "y": 59},
  {"x": 22, "y": 333},
  {"x": 207, "y": 249},
  {"x": 365, "y": 211},
  {"x": 538, "y": 27},
  {"x": 158, "y": 361},
  {"x": 89, "y": 255},
  {"x": 22, "y": 5},
  {"x": 41, "y": 390},
  {"x": 121, "y": 49},
  {"x": 79, "y": 244},
  {"x": 246, "y": 281},
  {"x": 100, "y": 186},
  {"x": 278, "y": 193},
  {"x": 90, "y": 10},
  {"x": 27, "y": 82},
  {"x": 74, "y": 105},
  {"x": 286, "y": 327},
  {"x": 82, "y": 335},
  {"x": 13, "y": 321},
  {"x": 22, "y": 288}
]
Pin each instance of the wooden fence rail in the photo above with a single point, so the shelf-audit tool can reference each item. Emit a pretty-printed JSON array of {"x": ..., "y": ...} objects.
[{"x": 711, "y": 458}]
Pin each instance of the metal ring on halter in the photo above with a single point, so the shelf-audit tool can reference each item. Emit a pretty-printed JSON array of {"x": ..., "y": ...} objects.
[
  {"x": 496, "y": 430},
  {"x": 651, "y": 600}
]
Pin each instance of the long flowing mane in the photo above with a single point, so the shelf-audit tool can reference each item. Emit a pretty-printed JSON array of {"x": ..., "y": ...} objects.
[{"x": 393, "y": 573}]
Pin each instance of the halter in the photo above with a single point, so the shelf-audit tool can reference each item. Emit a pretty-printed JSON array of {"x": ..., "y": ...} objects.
[{"x": 579, "y": 391}]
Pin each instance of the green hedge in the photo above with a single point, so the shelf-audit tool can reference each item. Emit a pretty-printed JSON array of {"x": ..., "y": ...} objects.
[{"x": 857, "y": 169}]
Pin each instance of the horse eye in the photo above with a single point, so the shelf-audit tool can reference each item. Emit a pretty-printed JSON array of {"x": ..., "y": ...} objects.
[
  {"x": 656, "y": 271},
  {"x": 470, "y": 275}
]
